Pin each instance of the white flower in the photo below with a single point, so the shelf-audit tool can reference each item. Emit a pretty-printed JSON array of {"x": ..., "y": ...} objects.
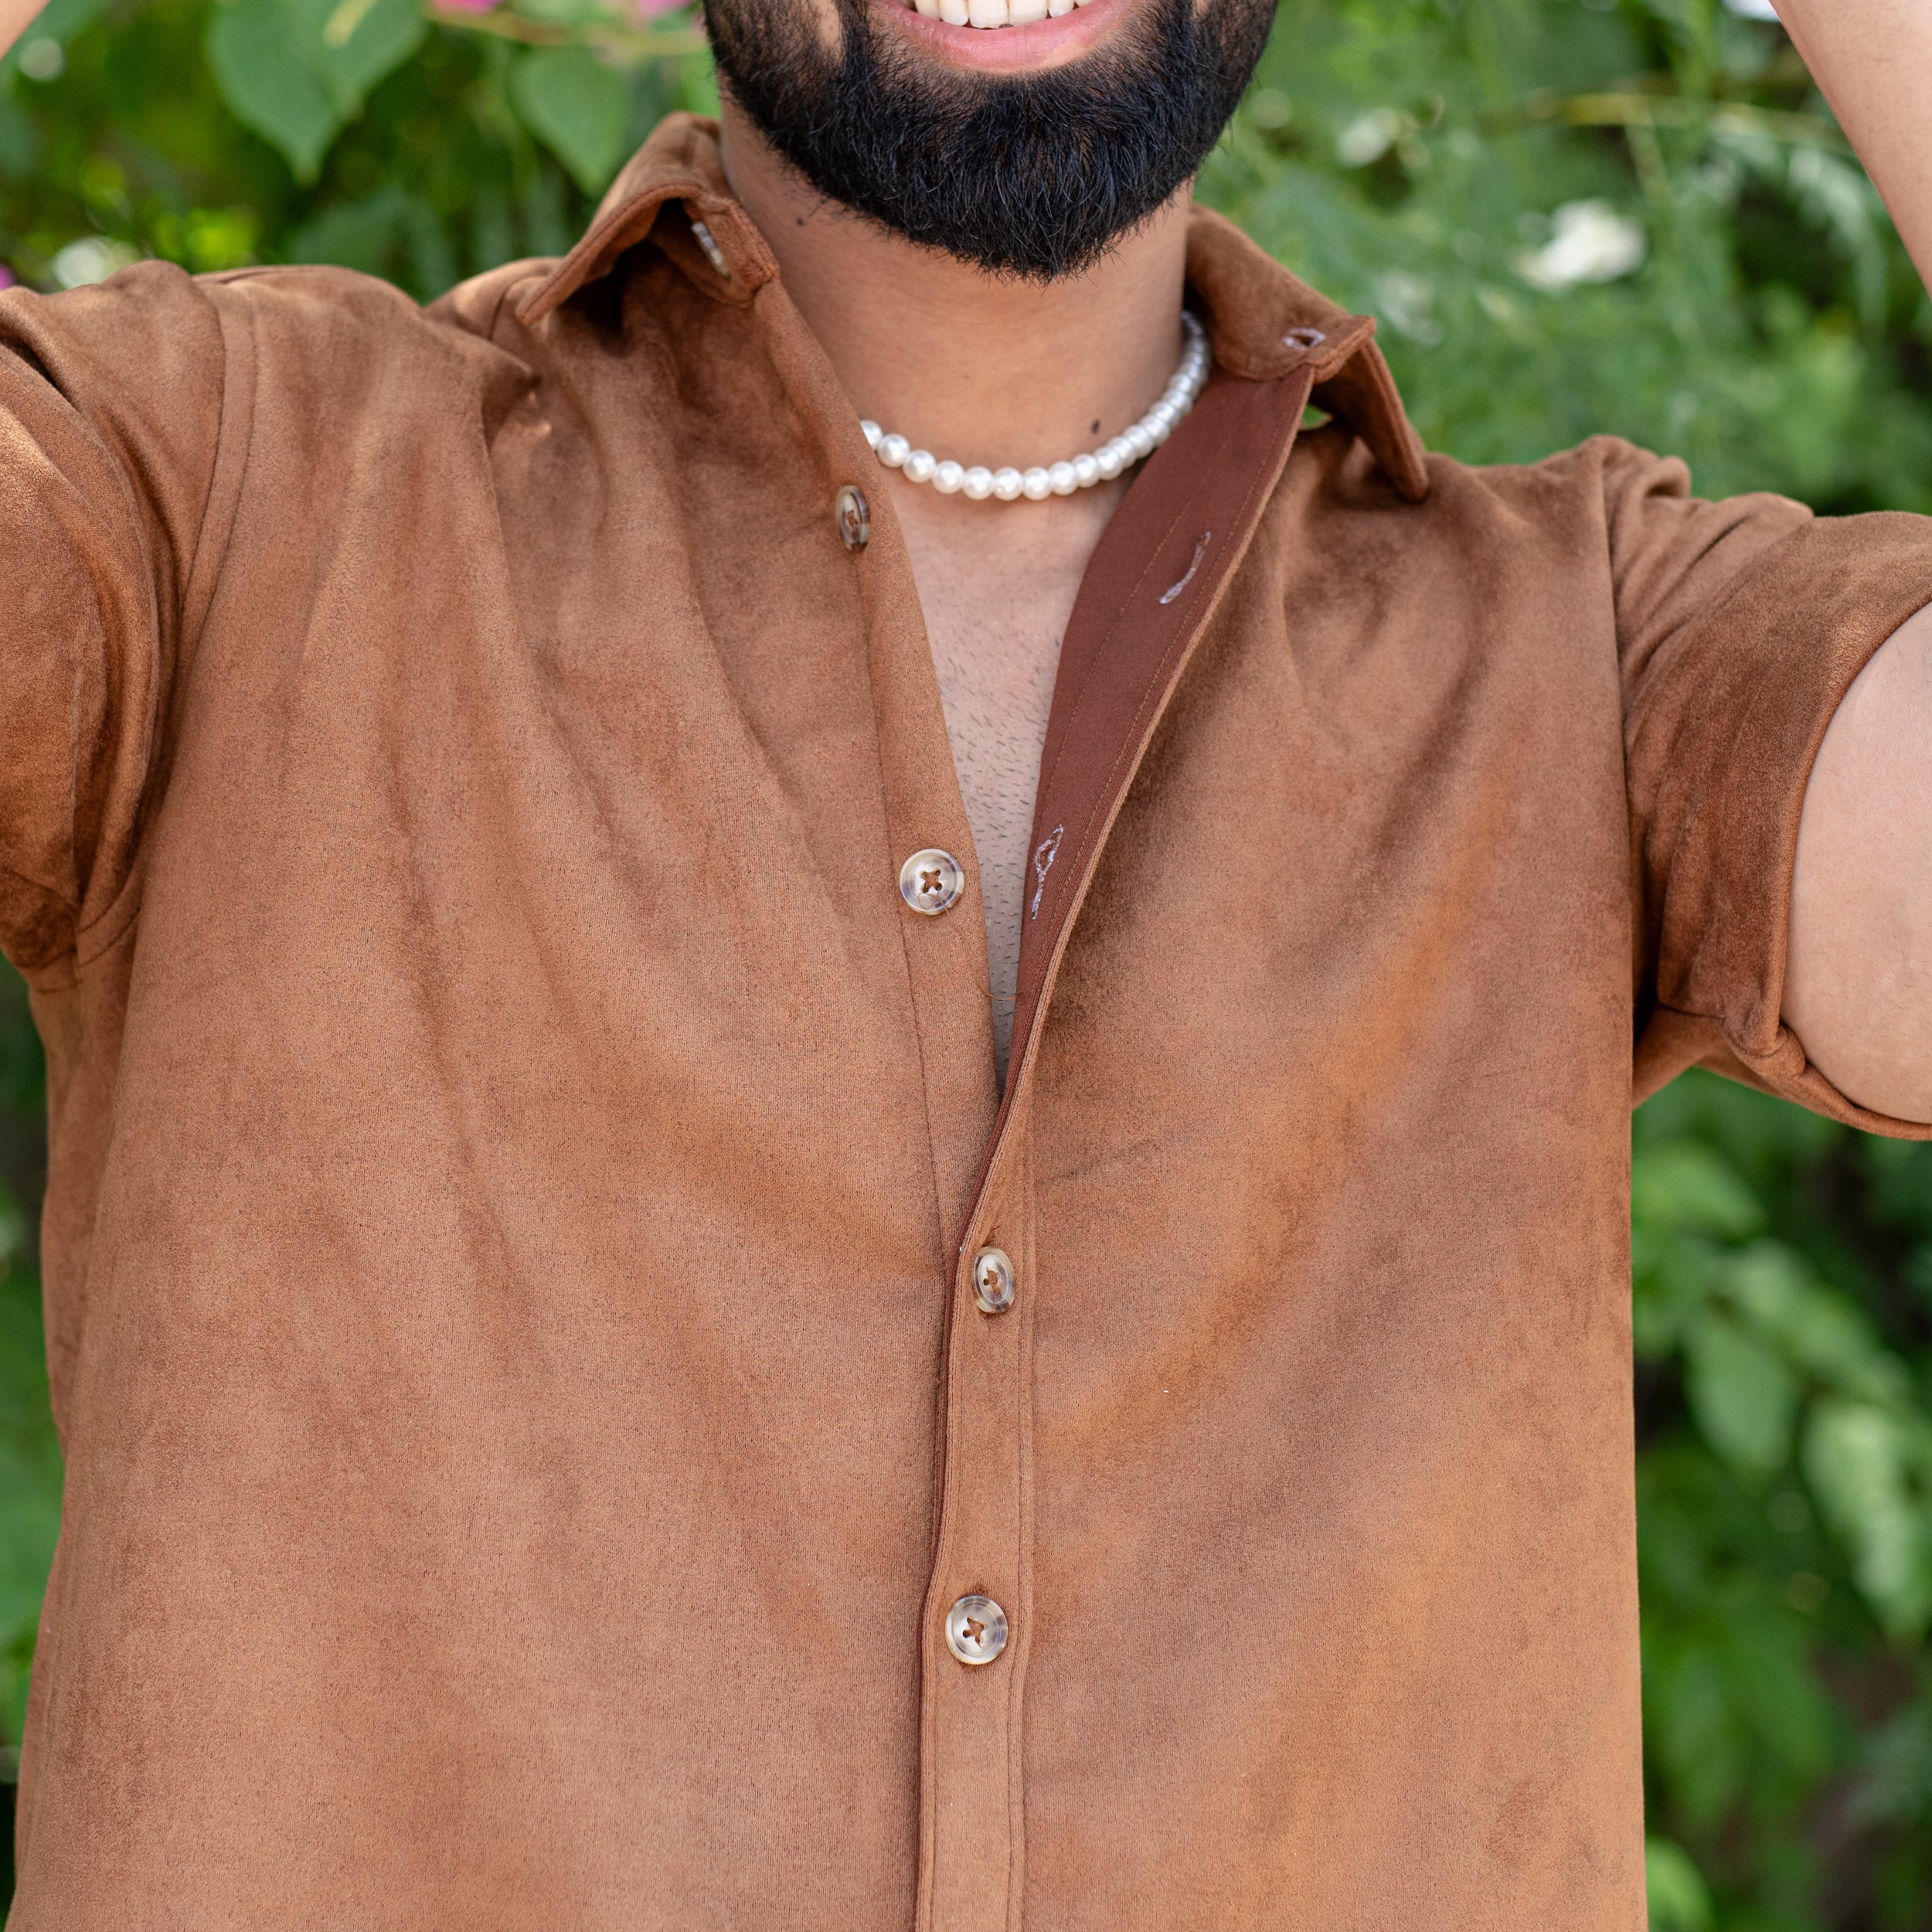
[
  {"x": 1402, "y": 300},
  {"x": 1368, "y": 138},
  {"x": 91, "y": 258},
  {"x": 1592, "y": 243}
]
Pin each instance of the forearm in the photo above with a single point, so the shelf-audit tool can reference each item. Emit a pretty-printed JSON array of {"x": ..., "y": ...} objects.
[
  {"x": 1858, "y": 989},
  {"x": 15, "y": 17},
  {"x": 1873, "y": 59}
]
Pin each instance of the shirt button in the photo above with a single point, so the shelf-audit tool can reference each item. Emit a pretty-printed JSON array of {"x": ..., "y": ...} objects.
[
  {"x": 993, "y": 1280},
  {"x": 931, "y": 881},
  {"x": 853, "y": 514},
  {"x": 976, "y": 1630}
]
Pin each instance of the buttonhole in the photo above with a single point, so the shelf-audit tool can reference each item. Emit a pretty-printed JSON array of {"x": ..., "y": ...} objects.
[
  {"x": 1173, "y": 590},
  {"x": 1305, "y": 338}
]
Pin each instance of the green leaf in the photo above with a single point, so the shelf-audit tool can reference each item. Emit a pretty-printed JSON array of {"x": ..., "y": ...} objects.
[
  {"x": 1744, "y": 1396},
  {"x": 1679, "y": 1900},
  {"x": 269, "y": 83},
  {"x": 1681, "y": 1185},
  {"x": 295, "y": 71},
  {"x": 577, "y": 108},
  {"x": 358, "y": 43},
  {"x": 1860, "y": 1461}
]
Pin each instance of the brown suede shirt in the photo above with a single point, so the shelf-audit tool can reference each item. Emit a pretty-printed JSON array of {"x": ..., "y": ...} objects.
[{"x": 519, "y": 1166}]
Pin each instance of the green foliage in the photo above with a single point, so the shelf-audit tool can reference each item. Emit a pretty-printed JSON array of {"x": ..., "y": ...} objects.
[{"x": 1569, "y": 215}]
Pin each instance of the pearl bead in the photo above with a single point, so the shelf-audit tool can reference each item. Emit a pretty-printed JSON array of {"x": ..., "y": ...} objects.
[{"x": 1113, "y": 457}]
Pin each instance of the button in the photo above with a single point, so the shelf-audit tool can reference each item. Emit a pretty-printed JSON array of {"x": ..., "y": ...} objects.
[
  {"x": 976, "y": 1630},
  {"x": 854, "y": 517},
  {"x": 993, "y": 1280},
  {"x": 931, "y": 880}
]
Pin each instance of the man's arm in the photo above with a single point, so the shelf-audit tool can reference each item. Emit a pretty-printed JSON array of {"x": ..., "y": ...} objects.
[
  {"x": 1858, "y": 986},
  {"x": 1858, "y": 989},
  {"x": 15, "y": 17}
]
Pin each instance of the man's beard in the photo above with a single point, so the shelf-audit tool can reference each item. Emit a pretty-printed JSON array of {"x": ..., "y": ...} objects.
[{"x": 1032, "y": 175}]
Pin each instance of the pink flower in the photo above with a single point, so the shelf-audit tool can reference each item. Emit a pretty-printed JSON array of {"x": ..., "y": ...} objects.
[{"x": 6, "y": 275}]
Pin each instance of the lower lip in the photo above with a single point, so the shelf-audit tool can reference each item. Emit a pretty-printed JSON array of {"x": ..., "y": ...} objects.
[{"x": 1041, "y": 43}]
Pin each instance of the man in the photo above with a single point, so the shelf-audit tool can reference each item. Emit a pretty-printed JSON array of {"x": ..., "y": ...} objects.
[{"x": 791, "y": 1187}]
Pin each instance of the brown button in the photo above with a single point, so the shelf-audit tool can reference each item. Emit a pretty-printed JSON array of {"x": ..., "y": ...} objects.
[
  {"x": 854, "y": 517},
  {"x": 931, "y": 881},
  {"x": 993, "y": 1280},
  {"x": 976, "y": 1630}
]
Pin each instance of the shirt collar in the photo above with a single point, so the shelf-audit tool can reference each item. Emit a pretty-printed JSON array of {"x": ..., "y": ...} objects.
[{"x": 1263, "y": 321}]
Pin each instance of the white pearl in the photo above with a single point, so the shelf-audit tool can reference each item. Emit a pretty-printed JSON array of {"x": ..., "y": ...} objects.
[{"x": 1113, "y": 457}]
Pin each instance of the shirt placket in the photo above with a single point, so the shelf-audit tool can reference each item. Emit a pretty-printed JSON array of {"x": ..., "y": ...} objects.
[{"x": 1149, "y": 593}]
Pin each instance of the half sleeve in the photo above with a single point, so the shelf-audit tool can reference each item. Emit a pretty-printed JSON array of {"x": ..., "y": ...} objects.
[
  {"x": 1740, "y": 626},
  {"x": 110, "y": 409}
]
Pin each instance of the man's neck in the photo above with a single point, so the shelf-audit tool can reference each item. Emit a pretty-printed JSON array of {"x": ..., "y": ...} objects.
[{"x": 967, "y": 365}]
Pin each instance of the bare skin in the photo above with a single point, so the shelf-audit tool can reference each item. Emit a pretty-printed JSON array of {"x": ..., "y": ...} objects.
[
  {"x": 1857, "y": 988},
  {"x": 999, "y": 373},
  {"x": 993, "y": 372}
]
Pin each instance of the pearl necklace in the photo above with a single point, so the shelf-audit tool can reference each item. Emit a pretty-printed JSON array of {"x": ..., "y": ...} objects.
[{"x": 1058, "y": 479}]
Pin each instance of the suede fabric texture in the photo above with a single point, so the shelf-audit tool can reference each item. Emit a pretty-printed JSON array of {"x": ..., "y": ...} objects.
[{"x": 515, "y": 1159}]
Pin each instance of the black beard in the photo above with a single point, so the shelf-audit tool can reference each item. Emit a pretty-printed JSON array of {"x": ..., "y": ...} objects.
[{"x": 1033, "y": 176}]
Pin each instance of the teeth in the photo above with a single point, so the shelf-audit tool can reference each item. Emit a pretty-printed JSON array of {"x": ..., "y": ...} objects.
[{"x": 988, "y": 14}]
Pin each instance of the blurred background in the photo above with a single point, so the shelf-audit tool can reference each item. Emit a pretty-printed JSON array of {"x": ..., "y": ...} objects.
[{"x": 1569, "y": 215}]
